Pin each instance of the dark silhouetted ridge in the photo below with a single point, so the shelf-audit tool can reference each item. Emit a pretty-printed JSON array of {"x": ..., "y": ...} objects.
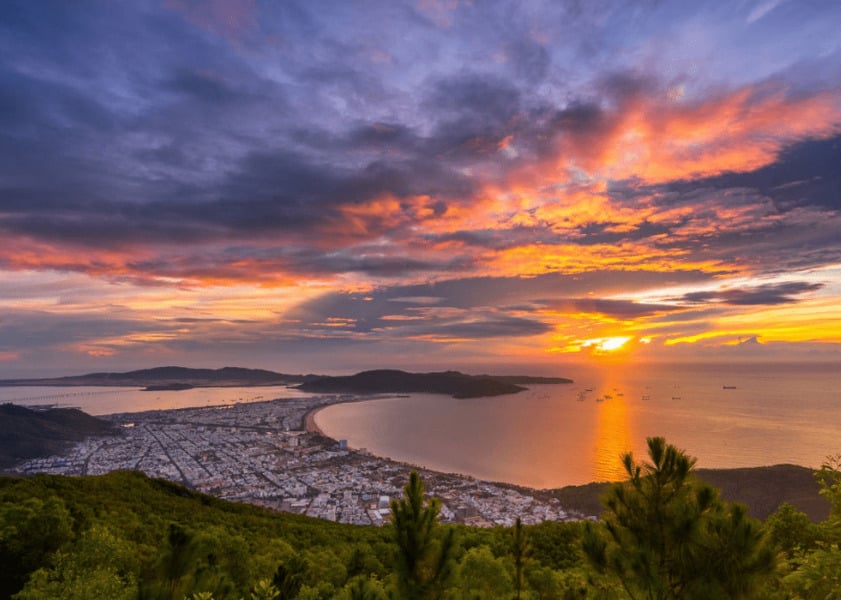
[
  {"x": 452, "y": 383},
  {"x": 168, "y": 376},
  {"x": 26, "y": 433}
]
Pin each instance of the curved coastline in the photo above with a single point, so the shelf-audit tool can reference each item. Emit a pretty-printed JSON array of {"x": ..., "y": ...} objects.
[
  {"x": 311, "y": 426},
  {"x": 762, "y": 488}
]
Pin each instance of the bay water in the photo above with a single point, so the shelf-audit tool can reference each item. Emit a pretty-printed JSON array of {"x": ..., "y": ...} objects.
[
  {"x": 555, "y": 435},
  {"x": 104, "y": 400}
]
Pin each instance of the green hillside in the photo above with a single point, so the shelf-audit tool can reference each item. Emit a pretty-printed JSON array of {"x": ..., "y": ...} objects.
[{"x": 124, "y": 535}]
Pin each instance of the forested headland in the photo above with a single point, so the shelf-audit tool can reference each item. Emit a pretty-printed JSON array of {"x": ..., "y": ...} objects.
[
  {"x": 663, "y": 534},
  {"x": 27, "y": 433}
]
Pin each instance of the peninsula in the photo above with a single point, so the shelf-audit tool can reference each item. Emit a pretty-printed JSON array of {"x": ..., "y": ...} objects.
[{"x": 452, "y": 383}]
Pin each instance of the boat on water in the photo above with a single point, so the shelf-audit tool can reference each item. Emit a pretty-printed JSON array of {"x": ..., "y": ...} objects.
[{"x": 728, "y": 387}]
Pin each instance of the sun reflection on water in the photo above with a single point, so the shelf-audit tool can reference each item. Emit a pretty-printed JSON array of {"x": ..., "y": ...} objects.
[{"x": 614, "y": 433}]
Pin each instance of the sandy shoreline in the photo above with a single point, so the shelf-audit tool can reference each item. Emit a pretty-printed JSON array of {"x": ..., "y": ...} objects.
[{"x": 309, "y": 421}]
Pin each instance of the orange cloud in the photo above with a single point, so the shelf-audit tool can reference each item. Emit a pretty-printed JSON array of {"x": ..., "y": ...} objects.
[
  {"x": 657, "y": 138},
  {"x": 572, "y": 258}
]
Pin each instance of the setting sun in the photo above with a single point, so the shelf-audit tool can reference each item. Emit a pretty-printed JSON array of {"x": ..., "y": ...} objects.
[{"x": 605, "y": 345}]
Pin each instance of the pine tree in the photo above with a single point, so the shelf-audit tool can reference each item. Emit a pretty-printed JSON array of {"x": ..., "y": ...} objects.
[
  {"x": 665, "y": 535},
  {"x": 424, "y": 554},
  {"x": 520, "y": 550},
  {"x": 288, "y": 578}
]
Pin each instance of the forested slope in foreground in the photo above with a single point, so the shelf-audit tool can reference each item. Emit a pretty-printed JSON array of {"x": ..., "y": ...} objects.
[{"x": 124, "y": 535}]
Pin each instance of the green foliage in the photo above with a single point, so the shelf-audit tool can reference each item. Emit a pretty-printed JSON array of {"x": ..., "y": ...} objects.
[
  {"x": 792, "y": 531},
  {"x": 289, "y": 577},
  {"x": 665, "y": 535},
  {"x": 363, "y": 588},
  {"x": 520, "y": 553},
  {"x": 829, "y": 478},
  {"x": 190, "y": 563},
  {"x": 98, "y": 565},
  {"x": 265, "y": 590},
  {"x": 819, "y": 576},
  {"x": 556, "y": 545},
  {"x": 325, "y": 566},
  {"x": 124, "y": 535},
  {"x": 424, "y": 553},
  {"x": 818, "y": 572},
  {"x": 31, "y": 530},
  {"x": 484, "y": 576},
  {"x": 174, "y": 541}
]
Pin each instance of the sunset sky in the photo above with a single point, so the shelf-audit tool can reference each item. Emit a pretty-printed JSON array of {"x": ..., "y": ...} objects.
[{"x": 313, "y": 186}]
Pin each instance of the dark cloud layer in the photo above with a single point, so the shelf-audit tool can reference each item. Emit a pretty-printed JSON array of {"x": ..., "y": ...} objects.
[
  {"x": 192, "y": 143},
  {"x": 518, "y": 164},
  {"x": 769, "y": 294},
  {"x": 806, "y": 174}
]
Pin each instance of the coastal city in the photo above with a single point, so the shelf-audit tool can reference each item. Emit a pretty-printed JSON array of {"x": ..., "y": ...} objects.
[{"x": 271, "y": 454}]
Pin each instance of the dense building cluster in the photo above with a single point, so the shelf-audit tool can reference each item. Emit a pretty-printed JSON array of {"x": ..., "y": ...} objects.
[{"x": 264, "y": 453}]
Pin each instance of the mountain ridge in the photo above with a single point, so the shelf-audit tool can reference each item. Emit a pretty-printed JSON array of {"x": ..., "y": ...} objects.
[
  {"x": 223, "y": 377},
  {"x": 26, "y": 433},
  {"x": 453, "y": 383},
  {"x": 376, "y": 381}
]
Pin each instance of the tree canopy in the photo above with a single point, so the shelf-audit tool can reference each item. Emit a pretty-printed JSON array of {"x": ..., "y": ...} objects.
[{"x": 665, "y": 535}]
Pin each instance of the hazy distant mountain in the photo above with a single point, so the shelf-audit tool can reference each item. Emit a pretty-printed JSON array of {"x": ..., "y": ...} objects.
[
  {"x": 453, "y": 383},
  {"x": 160, "y": 376},
  {"x": 27, "y": 433}
]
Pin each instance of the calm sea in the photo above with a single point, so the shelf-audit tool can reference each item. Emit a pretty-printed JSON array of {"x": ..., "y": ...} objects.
[
  {"x": 111, "y": 400},
  {"x": 556, "y": 435}
]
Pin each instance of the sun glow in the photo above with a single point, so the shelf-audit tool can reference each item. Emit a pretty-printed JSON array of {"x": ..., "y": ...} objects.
[{"x": 605, "y": 345}]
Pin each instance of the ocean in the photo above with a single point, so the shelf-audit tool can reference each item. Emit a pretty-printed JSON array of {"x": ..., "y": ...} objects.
[
  {"x": 555, "y": 435},
  {"x": 101, "y": 400}
]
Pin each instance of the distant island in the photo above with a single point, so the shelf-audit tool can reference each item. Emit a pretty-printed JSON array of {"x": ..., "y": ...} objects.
[
  {"x": 171, "y": 378},
  {"x": 168, "y": 387},
  {"x": 452, "y": 383}
]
